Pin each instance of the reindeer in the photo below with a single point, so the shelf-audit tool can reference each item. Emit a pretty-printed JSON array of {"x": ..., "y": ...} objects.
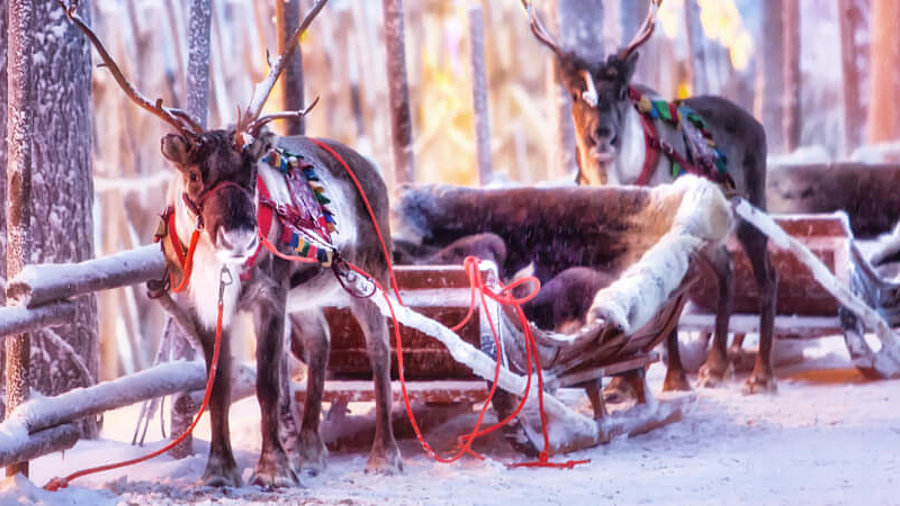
[
  {"x": 216, "y": 195},
  {"x": 617, "y": 144}
]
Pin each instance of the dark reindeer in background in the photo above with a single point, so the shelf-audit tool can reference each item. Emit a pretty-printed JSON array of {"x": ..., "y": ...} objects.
[
  {"x": 615, "y": 146},
  {"x": 216, "y": 191}
]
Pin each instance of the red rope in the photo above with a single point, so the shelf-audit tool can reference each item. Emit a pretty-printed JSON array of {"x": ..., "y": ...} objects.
[
  {"x": 58, "y": 483},
  {"x": 362, "y": 194}
]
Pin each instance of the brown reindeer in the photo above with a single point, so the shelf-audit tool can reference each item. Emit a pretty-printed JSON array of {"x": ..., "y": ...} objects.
[
  {"x": 217, "y": 192},
  {"x": 617, "y": 144}
]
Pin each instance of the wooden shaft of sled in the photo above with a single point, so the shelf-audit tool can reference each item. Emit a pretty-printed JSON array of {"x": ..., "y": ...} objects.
[
  {"x": 820, "y": 272},
  {"x": 36, "y": 285}
]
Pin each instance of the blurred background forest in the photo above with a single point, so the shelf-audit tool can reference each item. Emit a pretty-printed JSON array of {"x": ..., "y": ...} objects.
[{"x": 806, "y": 68}]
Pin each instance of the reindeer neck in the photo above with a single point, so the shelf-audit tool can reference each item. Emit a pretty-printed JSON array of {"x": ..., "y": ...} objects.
[
  {"x": 204, "y": 280},
  {"x": 633, "y": 153}
]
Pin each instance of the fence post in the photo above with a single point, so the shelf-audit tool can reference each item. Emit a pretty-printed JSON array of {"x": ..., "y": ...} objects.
[{"x": 20, "y": 128}]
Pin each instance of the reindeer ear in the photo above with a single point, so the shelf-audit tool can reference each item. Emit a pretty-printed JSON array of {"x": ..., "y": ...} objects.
[
  {"x": 629, "y": 66},
  {"x": 175, "y": 148},
  {"x": 261, "y": 145}
]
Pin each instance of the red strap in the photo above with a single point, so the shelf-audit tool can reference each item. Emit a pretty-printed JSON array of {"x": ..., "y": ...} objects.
[
  {"x": 173, "y": 236},
  {"x": 651, "y": 157},
  {"x": 263, "y": 222}
]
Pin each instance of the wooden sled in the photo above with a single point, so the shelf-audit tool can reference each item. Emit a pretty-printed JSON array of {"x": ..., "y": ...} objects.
[
  {"x": 649, "y": 239},
  {"x": 804, "y": 308}
]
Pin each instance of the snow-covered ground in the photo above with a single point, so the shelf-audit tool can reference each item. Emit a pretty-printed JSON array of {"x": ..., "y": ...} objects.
[{"x": 826, "y": 437}]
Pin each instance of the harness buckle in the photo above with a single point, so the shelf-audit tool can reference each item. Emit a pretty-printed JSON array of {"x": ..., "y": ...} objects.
[{"x": 225, "y": 279}]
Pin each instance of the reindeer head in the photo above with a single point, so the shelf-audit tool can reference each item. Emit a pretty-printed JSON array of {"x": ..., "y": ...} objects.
[
  {"x": 600, "y": 96},
  {"x": 218, "y": 188},
  {"x": 217, "y": 168}
]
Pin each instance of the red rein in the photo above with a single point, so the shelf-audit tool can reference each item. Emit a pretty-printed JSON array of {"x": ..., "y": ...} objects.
[
  {"x": 58, "y": 483},
  {"x": 478, "y": 287}
]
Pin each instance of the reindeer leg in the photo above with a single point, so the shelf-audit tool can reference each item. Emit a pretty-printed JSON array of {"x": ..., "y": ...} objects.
[
  {"x": 273, "y": 468},
  {"x": 313, "y": 331},
  {"x": 717, "y": 367},
  {"x": 762, "y": 379},
  {"x": 221, "y": 469},
  {"x": 385, "y": 456},
  {"x": 676, "y": 379}
]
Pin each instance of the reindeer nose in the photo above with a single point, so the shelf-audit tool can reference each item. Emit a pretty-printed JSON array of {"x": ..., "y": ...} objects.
[{"x": 236, "y": 244}]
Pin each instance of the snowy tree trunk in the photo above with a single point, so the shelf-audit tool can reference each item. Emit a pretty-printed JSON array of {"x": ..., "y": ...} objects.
[
  {"x": 852, "y": 19},
  {"x": 771, "y": 93},
  {"x": 287, "y": 17},
  {"x": 479, "y": 95},
  {"x": 197, "y": 85},
  {"x": 20, "y": 125},
  {"x": 631, "y": 14},
  {"x": 884, "y": 102},
  {"x": 792, "y": 79},
  {"x": 697, "y": 60},
  {"x": 401, "y": 119},
  {"x": 3, "y": 157},
  {"x": 63, "y": 195}
]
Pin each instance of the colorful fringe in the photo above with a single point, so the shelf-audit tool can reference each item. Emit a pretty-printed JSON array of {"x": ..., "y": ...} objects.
[
  {"x": 302, "y": 240},
  {"x": 675, "y": 113}
]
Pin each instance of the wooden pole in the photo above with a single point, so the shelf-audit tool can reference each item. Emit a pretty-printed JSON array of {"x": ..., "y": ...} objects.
[
  {"x": 792, "y": 122},
  {"x": 20, "y": 128},
  {"x": 852, "y": 22},
  {"x": 398, "y": 91},
  {"x": 479, "y": 95},
  {"x": 287, "y": 17}
]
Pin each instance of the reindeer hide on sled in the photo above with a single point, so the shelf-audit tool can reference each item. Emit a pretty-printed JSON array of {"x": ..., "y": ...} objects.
[{"x": 647, "y": 238}]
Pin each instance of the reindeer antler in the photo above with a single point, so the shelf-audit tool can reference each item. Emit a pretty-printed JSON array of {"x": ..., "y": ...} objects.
[
  {"x": 645, "y": 31},
  {"x": 251, "y": 117},
  {"x": 539, "y": 30},
  {"x": 179, "y": 119}
]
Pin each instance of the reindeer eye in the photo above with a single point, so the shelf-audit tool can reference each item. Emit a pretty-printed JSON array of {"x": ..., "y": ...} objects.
[{"x": 193, "y": 176}]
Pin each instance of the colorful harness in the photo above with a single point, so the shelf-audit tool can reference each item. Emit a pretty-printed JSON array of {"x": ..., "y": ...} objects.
[
  {"x": 703, "y": 159},
  {"x": 306, "y": 221}
]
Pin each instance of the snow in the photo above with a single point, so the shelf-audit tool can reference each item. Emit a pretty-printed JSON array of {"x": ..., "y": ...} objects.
[{"x": 826, "y": 437}]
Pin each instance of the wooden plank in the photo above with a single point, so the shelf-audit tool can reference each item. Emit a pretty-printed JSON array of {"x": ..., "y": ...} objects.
[
  {"x": 594, "y": 373},
  {"x": 785, "y": 325},
  {"x": 435, "y": 392}
]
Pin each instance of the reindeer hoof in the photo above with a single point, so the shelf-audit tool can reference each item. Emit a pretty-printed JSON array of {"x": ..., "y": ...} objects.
[
  {"x": 274, "y": 471},
  {"x": 757, "y": 385},
  {"x": 711, "y": 376},
  {"x": 311, "y": 453},
  {"x": 221, "y": 471},
  {"x": 385, "y": 462},
  {"x": 618, "y": 391},
  {"x": 676, "y": 382}
]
